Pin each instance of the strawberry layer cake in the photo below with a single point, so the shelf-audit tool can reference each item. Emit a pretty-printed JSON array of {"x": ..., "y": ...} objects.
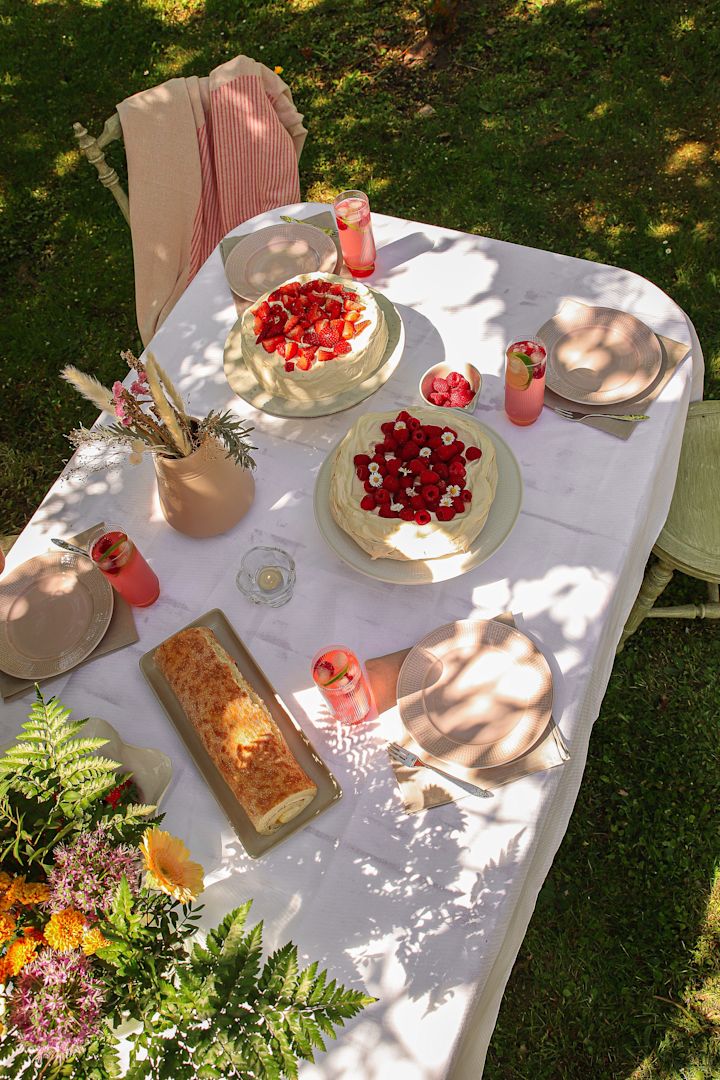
[
  {"x": 407, "y": 486},
  {"x": 313, "y": 337}
]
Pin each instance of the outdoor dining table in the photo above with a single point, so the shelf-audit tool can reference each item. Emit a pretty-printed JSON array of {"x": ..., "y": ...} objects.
[{"x": 426, "y": 911}]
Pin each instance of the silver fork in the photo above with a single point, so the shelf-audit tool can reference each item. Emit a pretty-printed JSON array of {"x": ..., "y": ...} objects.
[
  {"x": 575, "y": 414},
  {"x": 412, "y": 761}
]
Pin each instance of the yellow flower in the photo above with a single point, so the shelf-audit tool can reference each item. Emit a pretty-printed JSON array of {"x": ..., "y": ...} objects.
[
  {"x": 5, "y": 880},
  {"x": 65, "y": 930},
  {"x": 20, "y": 953},
  {"x": 92, "y": 941},
  {"x": 168, "y": 866},
  {"x": 7, "y": 926},
  {"x": 279, "y": 70},
  {"x": 27, "y": 892}
]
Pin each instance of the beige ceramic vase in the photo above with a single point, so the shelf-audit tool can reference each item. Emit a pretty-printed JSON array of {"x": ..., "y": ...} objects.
[{"x": 205, "y": 493}]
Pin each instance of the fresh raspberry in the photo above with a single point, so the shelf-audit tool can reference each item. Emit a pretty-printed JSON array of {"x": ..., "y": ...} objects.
[
  {"x": 440, "y": 386},
  {"x": 367, "y": 502},
  {"x": 382, "y": 495},
  {"x": 445, "y": 513},
  {"x": 289, "y": 366},
  {"x": 379, "y": 458},
  {"x": 412, "y": 422},
  {"x": 387, "y": 428},
  {"x": 361, "y": 459},
  {"x": 455, "y": 471},
  {"x": 430, "y": 493},
  {"x": 407, "y": 450},
  {"x": 393, "y": 466},
  {"x": 391, "y": 483},
  {"x": 404, "y": 416},
  {"x": 401, "y": 436},
  {"x": 442, "y": 470},
  {"x": 422, "y": 517},
  {"x": 429, "y": 477},
  {"x": 438, "y": 399},
  {"x": 386, "y": 512},
  {"x": 459, "y": 504},
  {"x": 389, "y": 445},
  {"x": 369, "y": 488},
  {"x": 417, "y": 502},
  {"x": 454, "y": 379},
  {"x": 473, "y": 453},
  {"x": 407, "y": 514},
  {"x": 417, "y": 466},
  {"x": 418, "y": 437},
  {"x": 460, "y": 398}
]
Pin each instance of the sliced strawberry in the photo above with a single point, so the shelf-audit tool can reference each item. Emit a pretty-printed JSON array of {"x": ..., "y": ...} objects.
[
  {"x": 353, "y": 305},
  {"x": 306, "y": 287},
  {"x": 333, "y": 308},
  {"x": 348, "y": 331},
  {"x": 290, "y": 322},
  {"x": 263, "y": 310},
  {"x": 289, "y": 366},
  {"x": 307, "y": 352},
  {"x": 324, "y": 354},
  {"x": 271, "y": 344},
  {"x": 257, "y": 324},
  {"x": 322, "y": 286},
  {"x": 352, "y": 316},
  {"x": 360, "y": 326},
  {"x": 311, "y": 338},
  {"x": 280, "y": 348},
  {"x": 341, "y": 348},
  {"x": 321, "y": 324},
  {"x": 296, "y": 333},
  {"x": 337, "y": 324},
  {"x": 304, "y": 363},
  {"x": 335, "y": 288},
  {"x": 291, "y": 348},
  {"x": 274, "y": 296},
  {"x": 328, "y": 337},
  {"x": 314, "y": 312},
  {"x": 292, "y": 287}
]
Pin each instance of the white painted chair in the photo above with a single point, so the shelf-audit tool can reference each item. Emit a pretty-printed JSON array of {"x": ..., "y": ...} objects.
[{"x": 93, "y": 149}]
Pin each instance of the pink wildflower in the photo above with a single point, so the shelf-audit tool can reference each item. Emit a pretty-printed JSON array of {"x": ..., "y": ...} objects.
[
  {"x": 118, "y": 393},
  {"x": 56, "y": 1005},
  {"x": 88, "y": 871}
]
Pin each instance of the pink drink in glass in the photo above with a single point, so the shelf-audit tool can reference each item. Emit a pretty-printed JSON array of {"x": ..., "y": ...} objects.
[
  {"x": 352, "y": 214},
  {"x": 524, "y": 381},
  {"x": 116, "y": 556},
  {"x": 340, "y": 679}
]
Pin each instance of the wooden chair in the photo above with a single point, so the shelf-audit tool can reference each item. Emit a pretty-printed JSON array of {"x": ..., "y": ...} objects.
[
  {"x": 93, "y": 151},
  {"x": 690, "y": 539}
]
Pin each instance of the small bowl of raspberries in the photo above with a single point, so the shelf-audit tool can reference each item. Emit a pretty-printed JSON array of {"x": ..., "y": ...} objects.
[{"x": 451, "y": 386}]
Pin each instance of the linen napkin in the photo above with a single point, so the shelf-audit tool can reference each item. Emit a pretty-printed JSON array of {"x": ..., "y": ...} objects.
[
  {"x": 673, "y": 353},
  {"x": 324, "y": 220},
  {"x": 121, "y": 631},
  {"x": 421, "y": 788}
]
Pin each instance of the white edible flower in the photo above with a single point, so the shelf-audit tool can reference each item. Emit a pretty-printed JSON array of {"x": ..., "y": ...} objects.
[
  {"x": 425, "y": 452},
  {"x": 403, "y": 471},
  {"x": 376, "y": 480},
  {"x": 447, "y": 437},
  {"x": 400, "y": 425},
  {"x": 397, "y": 507},
  {"x": 446, "y": 500},
  {"x": 373, "y": 467},
  {"x": 454, "y": 490}
]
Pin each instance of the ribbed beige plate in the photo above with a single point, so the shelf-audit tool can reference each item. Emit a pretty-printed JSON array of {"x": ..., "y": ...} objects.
[
  {"x": 54, "y": 609},
  {"x": 500, "y": 522},
  {"x": 329, "y": 790},
  {"x": 261, "y": 261},
  {"x": 475, "y": 692},
  {"x": 599, "y": 356},
  {"x": 246, "y": 386}
]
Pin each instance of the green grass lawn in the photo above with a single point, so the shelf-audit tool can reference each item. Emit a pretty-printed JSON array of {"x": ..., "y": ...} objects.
[{"x": 589, "y": 127}]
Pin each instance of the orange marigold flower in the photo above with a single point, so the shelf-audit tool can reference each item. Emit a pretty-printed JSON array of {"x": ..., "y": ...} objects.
[
  {"x": 65, "y": 930},
  {"x": 5, "y": 880},
  {"x": 20, "y": 953},
  {"x": 92, "y": 941},
  {"x": 27, "y": 892},
  {"x": 168, "y": 866},
  {"x": 278, "y": 70},
  {"x": 4, "y": 971},
  {"x": 7, "y": 926}
]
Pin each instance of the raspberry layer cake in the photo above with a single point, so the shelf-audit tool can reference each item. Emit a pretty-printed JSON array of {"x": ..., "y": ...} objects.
[
  {"x": 313, "y": 337},
  {"x": 406, "y": 487}
]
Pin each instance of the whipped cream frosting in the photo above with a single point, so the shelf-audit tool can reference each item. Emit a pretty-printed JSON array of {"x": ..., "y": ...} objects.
[
  {"x": 393, "y": 538},
  {"x": 326, "y": 379}
]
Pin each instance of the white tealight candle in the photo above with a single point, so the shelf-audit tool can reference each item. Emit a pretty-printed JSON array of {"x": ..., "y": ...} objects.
[{"x": 269, "y": 578}]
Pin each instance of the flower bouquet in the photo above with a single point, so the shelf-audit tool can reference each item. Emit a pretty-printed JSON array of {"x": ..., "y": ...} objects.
[
  {"x": 96, "y": 916},
  {"x": 150, "y": 417}
]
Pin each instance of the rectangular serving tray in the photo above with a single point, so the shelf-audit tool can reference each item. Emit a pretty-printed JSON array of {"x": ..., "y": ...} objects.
[{"x": 329, "y": 790}]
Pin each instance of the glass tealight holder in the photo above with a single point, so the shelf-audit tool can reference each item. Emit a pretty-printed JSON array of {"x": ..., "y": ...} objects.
[{"x": 266, "y": 576}]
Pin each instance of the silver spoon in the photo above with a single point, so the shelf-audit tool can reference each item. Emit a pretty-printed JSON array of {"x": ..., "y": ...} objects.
[{"x": 70, "y": 547}]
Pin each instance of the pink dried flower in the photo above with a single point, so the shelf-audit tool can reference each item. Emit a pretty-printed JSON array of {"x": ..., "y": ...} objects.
[
  {"x": 56, "y": 1005},
  {"x": 118, "y": 401},
  {"x": 138, "y": 387},
  {"x": 87, "y": 872}
]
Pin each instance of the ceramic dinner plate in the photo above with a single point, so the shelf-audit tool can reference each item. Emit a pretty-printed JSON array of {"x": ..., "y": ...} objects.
[
  {"x": 599, "y": 356},
  {"x": 246, "y": 386},
  {"x": 262, "y": 260},
  {"x": 500, "y": 522},
  {"x": 54, "y": 609},
  {"x": 478, "y": 693}
]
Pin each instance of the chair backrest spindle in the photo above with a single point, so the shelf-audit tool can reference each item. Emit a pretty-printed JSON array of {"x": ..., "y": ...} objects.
[{"x": 93, "y": 151}]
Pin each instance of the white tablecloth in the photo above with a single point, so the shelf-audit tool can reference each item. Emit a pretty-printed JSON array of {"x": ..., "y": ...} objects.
[{"x": 427, "y": 912}]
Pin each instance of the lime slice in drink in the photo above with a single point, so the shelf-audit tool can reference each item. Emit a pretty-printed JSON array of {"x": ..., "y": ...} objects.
[
  {"x": 331, "y": 668},
  {"x": 526, "y": 360}
]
